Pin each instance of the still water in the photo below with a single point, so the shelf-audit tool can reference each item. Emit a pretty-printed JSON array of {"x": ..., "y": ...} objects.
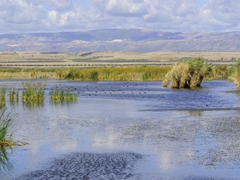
[{"x": 127, "y": 130}]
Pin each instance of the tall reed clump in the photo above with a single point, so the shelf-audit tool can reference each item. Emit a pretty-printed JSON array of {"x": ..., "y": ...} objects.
[
  {"x": 33, "y": 92},
  {"x": 6, "y": 121},
  {"x": 187, "y": 74}
]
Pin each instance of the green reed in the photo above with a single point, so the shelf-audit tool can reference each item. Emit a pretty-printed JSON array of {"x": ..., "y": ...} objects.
[
  {"x": 59, "y": 94},
  {"x": 6, "y": 120},
  {"x": 13, "y": 95},
  {"x": 2, "y": 96},
  {"x": 33, "y": 92}
]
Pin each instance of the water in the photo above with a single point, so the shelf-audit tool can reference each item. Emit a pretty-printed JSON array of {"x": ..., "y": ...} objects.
[{"x": 128, "y": 130}]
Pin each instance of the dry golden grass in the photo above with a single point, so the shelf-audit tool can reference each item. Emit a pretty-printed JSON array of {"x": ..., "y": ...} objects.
[{"x": 96, "y": 59}]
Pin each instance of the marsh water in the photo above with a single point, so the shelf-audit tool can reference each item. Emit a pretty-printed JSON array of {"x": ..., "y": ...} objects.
[{"x": 127, "y": 130}]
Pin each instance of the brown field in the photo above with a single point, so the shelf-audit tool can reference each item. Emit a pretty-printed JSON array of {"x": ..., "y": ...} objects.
[{"x": 99, "y": 59}]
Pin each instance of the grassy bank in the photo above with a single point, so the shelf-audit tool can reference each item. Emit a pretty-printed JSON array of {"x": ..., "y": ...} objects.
[
  {"x": 234, "y": 74},
  {"x": 134, "y": 73},
  {"x": 143, "y": 73},
  {"x": 18, "y": 73}
]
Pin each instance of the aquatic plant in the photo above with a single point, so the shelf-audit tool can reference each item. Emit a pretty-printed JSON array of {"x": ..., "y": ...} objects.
[
  {"x": 6, "y": 121},
  {"x": 2, "y": 96},
  {"x": 13, "y": 95},
  {"x": 57, "y": 94},
  {"x": 33, "y": 92},
  {"x": 187, "y": 74}
]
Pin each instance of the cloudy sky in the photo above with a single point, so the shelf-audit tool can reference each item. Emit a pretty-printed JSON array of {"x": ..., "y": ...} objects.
[{"x": 24, "y": 16}]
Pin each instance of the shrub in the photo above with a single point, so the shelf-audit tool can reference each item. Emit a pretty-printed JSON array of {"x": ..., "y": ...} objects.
[{"x": 187, "y": 74}]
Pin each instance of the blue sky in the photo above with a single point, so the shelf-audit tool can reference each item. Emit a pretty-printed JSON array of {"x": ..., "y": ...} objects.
[
  {"x": 25, "y": 16},
  {"x": 201, "y": 2}
]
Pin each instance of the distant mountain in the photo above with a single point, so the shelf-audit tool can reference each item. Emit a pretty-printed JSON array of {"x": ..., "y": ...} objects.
[{"x": 134, "y": 40}]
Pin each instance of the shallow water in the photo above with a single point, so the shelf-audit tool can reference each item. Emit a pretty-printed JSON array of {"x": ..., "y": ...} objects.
[{"x": 128, "y": 130}]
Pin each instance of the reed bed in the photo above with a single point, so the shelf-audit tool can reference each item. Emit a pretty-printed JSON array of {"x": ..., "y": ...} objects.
[{"x": 143, "y": 73}]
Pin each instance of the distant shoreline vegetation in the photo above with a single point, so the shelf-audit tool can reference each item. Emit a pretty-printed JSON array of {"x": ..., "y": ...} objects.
[{"x": 131, "y": 73}]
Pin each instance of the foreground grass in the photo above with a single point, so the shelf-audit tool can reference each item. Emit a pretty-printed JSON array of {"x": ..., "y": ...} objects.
[{"x": 6, "y": 121}]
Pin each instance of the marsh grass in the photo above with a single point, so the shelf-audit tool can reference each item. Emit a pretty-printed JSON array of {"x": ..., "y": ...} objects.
[
  {"x": 27, "y": 73},
  {"x": 33, "y": 92},
  {"x": 134, "y": 73}
]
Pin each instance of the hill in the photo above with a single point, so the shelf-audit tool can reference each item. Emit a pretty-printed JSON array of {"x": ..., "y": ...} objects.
[{"x": 126, "y": 40}]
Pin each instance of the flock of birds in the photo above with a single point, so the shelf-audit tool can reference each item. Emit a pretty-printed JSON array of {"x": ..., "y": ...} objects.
[{"x": 105, "y": 89}]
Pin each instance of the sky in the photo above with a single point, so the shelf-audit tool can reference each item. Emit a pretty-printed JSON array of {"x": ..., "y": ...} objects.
[{"x": 29, "y": 16}]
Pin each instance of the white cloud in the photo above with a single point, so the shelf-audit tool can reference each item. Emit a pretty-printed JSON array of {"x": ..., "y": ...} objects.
[
  {"x": 126, "y": 8},
  {"x": 221, "y": 15},
  {"x": 73, "y": 15}
]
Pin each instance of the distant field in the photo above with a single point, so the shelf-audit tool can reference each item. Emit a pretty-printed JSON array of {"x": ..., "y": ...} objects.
[{"x": 102, "y": 59}]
